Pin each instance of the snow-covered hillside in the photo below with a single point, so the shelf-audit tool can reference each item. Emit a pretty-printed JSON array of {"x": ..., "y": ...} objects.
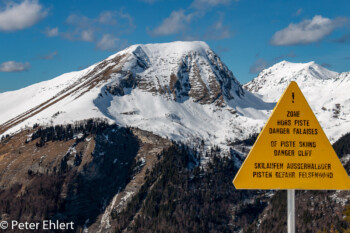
[
  {"x": 326, "y": 91},
  {"x": 180, "y": 90}
]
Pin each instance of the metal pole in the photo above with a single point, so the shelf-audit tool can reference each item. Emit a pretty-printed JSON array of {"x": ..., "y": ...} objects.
[{"x": 291, "y": 210}]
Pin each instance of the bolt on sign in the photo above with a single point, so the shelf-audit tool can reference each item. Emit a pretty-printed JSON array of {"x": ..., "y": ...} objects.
[{"x": 292, "y": 151}]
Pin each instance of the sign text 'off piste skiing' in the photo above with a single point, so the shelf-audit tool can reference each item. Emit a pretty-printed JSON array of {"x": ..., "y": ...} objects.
[{"x": 292, "y": 151}]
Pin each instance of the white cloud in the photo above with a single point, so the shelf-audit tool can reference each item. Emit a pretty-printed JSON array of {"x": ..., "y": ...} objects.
[
  {"x": 110, "y": 43},
  {"x": 79, "y": 20},
  {"x": 88, "y": 29},
  {"x": 84, "y": 28},
  {"x": 87, "y": 35},
  {"x": 307, "y": 31},
  {"x": 126, "y": 19},
  {"x": 23, "y": 15},
  {"x": 205, "y": 4},
  {"x": 107, "y": 17},
  {"x": 218, "y": 31},
  {"x": 12, "y": 66},
  {"x": 51, "y": 32},
  {"x": 258, "y": 66},
  {"x": 176, "y": 22},
  {"x": 179, "y": 21}
]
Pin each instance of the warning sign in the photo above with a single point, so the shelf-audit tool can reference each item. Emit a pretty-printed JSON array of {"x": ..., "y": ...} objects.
[{"x": 292, "y": 151}]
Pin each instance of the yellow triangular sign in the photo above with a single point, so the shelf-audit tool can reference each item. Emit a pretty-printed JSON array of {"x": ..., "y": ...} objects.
[{"x": 292, "y": 151}]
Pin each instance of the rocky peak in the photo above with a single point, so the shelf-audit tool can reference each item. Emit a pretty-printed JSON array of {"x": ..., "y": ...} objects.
[
  {"x": 178, "y": 70},
  {"x": 171, "y": 89}
]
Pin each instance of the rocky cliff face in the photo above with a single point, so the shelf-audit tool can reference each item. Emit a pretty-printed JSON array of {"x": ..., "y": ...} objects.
[{"x": 179, "y": 71}]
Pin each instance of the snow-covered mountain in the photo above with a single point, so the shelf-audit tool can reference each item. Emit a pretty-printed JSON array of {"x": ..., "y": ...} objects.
[
  {"x": 326, "y": 91},
  {"x": 180, "y": 90}
]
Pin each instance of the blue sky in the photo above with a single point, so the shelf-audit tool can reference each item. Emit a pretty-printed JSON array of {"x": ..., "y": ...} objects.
[{"x": 43, "y": 39}]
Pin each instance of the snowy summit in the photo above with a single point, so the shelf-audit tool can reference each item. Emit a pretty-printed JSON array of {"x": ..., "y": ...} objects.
[
  {"x": 325, "y": 90},
  {"x": 180, "y": 90}
]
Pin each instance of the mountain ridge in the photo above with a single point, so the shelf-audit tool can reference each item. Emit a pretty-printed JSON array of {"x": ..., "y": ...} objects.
[
  {"x": 172, "y": 89},
  {"x": 325, "y": 91}
]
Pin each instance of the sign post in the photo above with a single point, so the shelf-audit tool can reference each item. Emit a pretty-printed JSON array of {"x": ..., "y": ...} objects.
[
  {"x": 292, "y": 152},
  {"x": 291, "y": 210}
]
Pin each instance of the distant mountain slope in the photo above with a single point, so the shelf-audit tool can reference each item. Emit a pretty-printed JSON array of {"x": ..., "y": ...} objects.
[
  {"x": 326, "y": 91},
  {"x": 180, "y": 90}
]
